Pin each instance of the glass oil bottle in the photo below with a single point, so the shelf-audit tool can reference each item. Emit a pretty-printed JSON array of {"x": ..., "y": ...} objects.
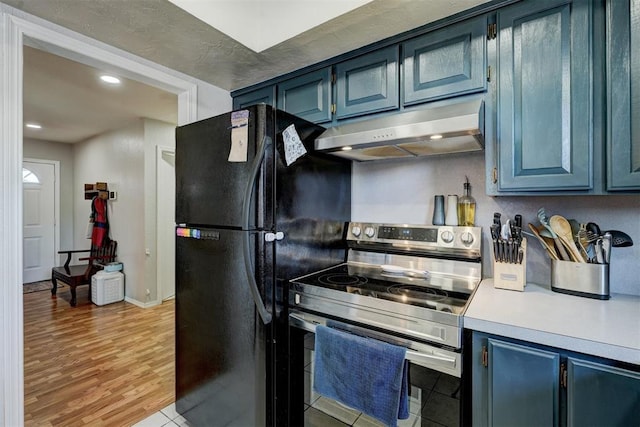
[{"x": 466, "y": 206}]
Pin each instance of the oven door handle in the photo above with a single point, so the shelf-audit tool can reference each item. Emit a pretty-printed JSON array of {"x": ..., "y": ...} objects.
[
  {"x": 412, "y": 356},
  {"x": 421, "y": 358}
]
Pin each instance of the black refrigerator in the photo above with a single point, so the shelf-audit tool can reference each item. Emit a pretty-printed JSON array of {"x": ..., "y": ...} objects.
[{"x": 244, "y": 227}]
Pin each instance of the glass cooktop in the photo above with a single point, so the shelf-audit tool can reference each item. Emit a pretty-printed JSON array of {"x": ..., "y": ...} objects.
[{"x": 429, "y": 291}]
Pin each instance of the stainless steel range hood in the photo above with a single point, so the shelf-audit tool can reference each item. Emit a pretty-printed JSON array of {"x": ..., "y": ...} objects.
[{"x": 452, "y": 128}]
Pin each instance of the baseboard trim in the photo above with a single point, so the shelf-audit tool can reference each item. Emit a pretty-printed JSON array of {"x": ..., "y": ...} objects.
[{"x": 147, "y": 304}]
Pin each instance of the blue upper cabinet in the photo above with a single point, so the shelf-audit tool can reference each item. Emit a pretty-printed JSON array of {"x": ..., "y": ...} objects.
[
  {"x": 545, "y": 96},
  {"x": 623, "y": 97},
  {"x": 307, "y": 96},
  {"x": 266, "y": 95},
  {"x": 447, "y": 62},
  {"x": 368, "y": 83}
]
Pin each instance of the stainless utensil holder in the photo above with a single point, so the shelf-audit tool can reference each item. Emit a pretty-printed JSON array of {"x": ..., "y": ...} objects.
[
  {"x": 512, "y": 276},
  {"x": 580, "y": 279}
]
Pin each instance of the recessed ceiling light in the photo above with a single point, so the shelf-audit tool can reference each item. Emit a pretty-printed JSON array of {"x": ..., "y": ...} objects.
[
  {"x": 112, "y": 80},
  {"x": 33, "y": 126}
]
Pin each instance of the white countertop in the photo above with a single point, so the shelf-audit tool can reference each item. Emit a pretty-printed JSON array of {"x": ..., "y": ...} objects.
[{"x": 605, "y": 328}]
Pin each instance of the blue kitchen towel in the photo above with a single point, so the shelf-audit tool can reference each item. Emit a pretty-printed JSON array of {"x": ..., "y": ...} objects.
[{"x": 363, "y": 373}]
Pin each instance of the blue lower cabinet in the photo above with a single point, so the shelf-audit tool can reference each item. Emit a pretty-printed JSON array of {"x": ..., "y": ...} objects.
[
  {"x": 523, "y": 385},
  {"x": 307, "y": 96},
  {"x": 447, "y": 62},
  {"x": 517, "y": 383},
  {"x": 265, "y": 95},
  {"x": 601, "y": 395},
  {"x": 368, "y": 83},
  {"x": 545, "y": 96}
]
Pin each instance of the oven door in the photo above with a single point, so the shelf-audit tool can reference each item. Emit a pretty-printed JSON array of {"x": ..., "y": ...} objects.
[{"x": 422, "y": 354}]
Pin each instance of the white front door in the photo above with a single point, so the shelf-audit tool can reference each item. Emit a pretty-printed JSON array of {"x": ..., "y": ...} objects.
[{"x": 38, "y": 220}]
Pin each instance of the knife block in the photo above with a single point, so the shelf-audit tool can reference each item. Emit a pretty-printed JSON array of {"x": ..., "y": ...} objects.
[{"x": 511, "y": 276}]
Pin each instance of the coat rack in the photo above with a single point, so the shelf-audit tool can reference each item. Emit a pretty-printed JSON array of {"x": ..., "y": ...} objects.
[{"x": 99, "y": 189}]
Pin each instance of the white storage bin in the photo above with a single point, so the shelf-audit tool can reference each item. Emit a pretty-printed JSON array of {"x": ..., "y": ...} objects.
[{"x": 107, "y": 287}]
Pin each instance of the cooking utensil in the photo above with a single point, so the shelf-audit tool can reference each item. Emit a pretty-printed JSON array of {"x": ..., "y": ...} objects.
[
  {"x": 620, "y": 239},
  {"x": 562, "y": 228},
  {"x": 598, "y": 249},
  {"x": 575, "y": 227},
  {"x": 606, "y": 247},
  {"x": 544, "y": 220},
  {"x": 593, "y": 227},
  {"x": 552, "y": 252}
]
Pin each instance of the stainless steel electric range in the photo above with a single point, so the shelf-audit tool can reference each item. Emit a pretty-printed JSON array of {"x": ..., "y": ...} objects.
[{"x": 405, "y": 284}]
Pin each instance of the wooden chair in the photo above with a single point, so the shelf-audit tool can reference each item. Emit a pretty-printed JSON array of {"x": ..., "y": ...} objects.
[{"x": 76, "y": 275}]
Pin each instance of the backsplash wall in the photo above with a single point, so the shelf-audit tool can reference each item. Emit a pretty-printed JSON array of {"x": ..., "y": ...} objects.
[{"x": 401, "y": 191}]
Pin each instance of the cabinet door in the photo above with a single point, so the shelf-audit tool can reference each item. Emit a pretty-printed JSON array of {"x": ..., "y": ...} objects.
[
  {"x": 266, "y": 95},
  {"x": 600, "y": 395},
  {"x": 545, "y": 96},
  {"x": 523, "y": 385},
  {"x": 367, "y": 84},
  {"x": 307, "y": 96},
  {"x": 447, "y": 62},
  {"x": 623, "y": 97}
]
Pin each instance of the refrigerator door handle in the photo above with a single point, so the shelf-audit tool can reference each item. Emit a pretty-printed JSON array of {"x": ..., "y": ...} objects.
[{"x": 246, "y": 246}]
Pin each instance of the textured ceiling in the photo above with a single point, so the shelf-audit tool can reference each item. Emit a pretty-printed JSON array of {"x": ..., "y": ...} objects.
[
  {"x": 72, "y": 110},
  {"x": 163, "y": 33}
]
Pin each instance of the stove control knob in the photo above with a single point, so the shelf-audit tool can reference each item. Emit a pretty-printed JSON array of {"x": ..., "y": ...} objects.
[
  {"x": 466, "y": 238},
  {"x": 355, "y": 230},
  {"x": 369, "y": 232},
  {"x": 447, "y": 236}
]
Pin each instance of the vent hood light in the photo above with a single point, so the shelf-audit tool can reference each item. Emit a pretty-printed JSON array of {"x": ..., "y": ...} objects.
[{"x": 452, "y": 128}]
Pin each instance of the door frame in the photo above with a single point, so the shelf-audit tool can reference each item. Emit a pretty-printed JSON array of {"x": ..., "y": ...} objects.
[
  {"x": 160, "y": 150},
  {"x": 16, "y": 30},
  {"x": 56, "y": 203}
]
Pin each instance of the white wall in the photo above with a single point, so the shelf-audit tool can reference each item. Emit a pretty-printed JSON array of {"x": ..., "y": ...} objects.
[
  {"x": 402, "y": 191},
  {"x": 45, "y": 150},
  {"x": 116, "y": 158}
]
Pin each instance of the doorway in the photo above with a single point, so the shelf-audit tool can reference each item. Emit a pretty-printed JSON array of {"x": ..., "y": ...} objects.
[
  {"x": 39, "y": 218},
  {"x": 17, "y": 32}
]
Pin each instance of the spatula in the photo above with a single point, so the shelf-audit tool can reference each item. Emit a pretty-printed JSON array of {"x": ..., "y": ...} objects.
[
  {"x": 544, "y": 220},
  {"x": 550, "y": 250}
]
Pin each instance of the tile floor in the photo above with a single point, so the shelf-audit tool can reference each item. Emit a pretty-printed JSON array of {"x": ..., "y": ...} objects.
[{"x": 433, "y": 402}]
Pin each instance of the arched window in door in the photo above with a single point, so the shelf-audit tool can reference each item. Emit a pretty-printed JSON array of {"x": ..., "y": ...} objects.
[{"x": 29, "y": 177}]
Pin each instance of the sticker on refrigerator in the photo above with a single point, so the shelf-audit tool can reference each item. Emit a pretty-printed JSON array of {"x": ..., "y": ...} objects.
[
  {"x": 239, "y": 136},
  {"x": 293, "y": 148}
]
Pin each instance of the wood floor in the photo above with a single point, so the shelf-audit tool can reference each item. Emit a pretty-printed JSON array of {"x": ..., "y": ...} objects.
[{"x": 101, "y": 366}]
